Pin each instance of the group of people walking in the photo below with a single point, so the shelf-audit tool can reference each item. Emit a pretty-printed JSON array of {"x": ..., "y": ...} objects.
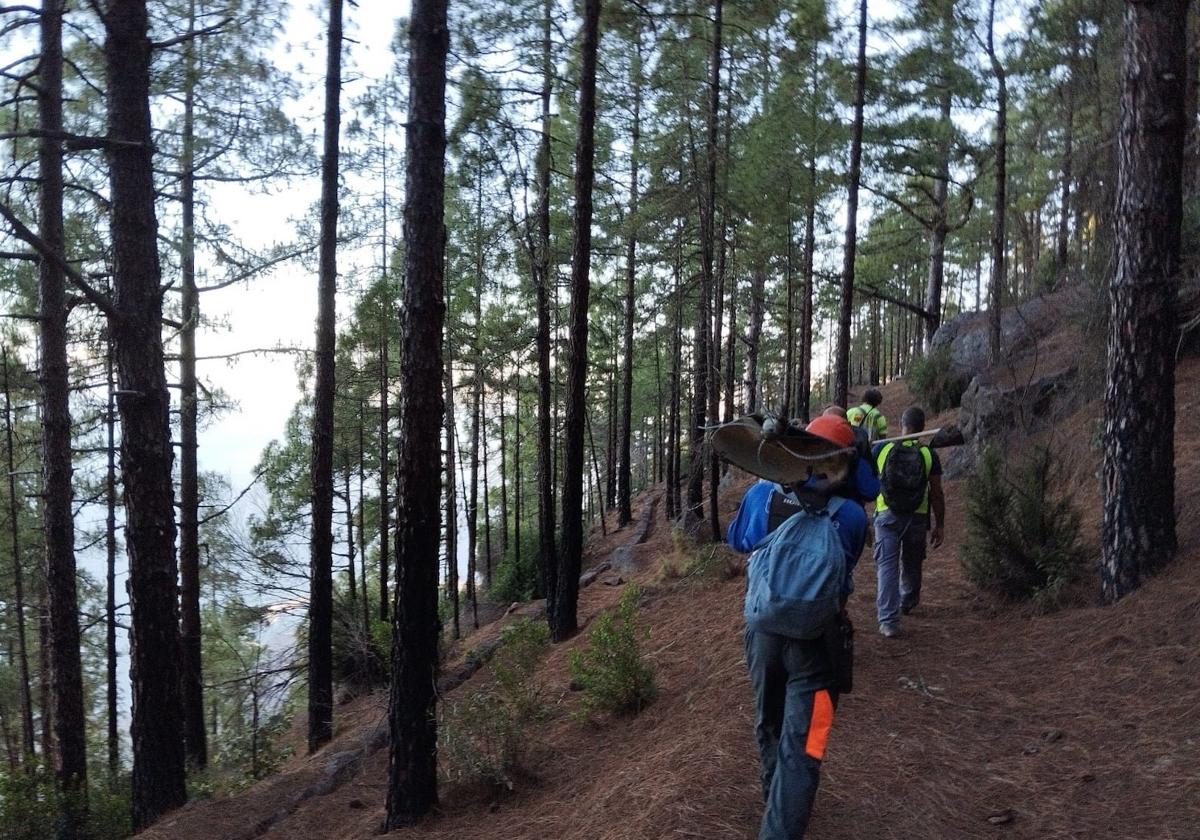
[{"x": 804, "y": 542}]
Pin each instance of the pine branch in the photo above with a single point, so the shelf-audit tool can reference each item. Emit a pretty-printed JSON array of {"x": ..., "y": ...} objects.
[{"x": 96, "y": 298}]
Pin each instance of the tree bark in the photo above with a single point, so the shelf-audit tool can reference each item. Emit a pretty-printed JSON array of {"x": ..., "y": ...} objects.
[
  {"x": 412, "y": 761},
  {"x": 320, "y": 606},
  {"x": 875, "y": 348},
  {"x": 503, "y": 475},
  {"x": 451, "y": 494},
  {"x": 518, "y": 491},
  {"x": 195, "y": 737},
  {"x": 789, "y": 319},
  {"x": 703, "y": 337},
  {"x": 841, "y": 372},
  {"x": 939, "y": 226},
  {"x": 349, "y": 520},
  {"x": 110, "y": 545},
  {"x": 758, "y": 282},
  {"x": 58, "y": 521},
  {"x": 144, "y": 404},
  {"x": 22, "y": 652},
  {"x": 476, "y": 407},
  {"x": 385, "y": 465},
  {"x": 730, "y": 346},
  {"x": 624, "y": 510},
  {"x": 1068, "y": 160},
  {"x": 487, "y": 508},
  {"x": 547, "y": 557},
  {"x": 362, "y": 518},
  {"x": 1138, "y": 529},
  {"x": 563, "y": 619},
  {"x": 999, "y": 207}
]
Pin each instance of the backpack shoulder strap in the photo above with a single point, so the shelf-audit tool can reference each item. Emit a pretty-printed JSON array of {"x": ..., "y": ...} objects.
[
  {"x": 883, "y": 455},
  {"x": 927, "y": 456}
]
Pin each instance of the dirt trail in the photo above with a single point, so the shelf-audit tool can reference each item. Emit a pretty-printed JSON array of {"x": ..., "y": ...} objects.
[{"x": 1080, "y": 724}]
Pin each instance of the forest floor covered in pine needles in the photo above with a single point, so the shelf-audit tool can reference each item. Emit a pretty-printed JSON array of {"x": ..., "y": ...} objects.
[{"x": 984, "y": 720}]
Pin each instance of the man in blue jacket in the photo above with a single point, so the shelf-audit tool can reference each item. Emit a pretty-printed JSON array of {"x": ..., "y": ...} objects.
[{"x": 795, "y": 680}]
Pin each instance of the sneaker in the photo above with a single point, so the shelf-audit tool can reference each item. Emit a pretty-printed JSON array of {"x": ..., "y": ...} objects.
[{"x": 889, "y": 630}]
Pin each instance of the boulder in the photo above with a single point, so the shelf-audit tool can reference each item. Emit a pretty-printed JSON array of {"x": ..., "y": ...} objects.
[
  {"x": 990, "y": 412},
  {"x": 966, "y": 336}
]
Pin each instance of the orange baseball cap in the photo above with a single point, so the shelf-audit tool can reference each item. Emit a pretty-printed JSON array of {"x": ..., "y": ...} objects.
[{"x": 833, "y": 429}]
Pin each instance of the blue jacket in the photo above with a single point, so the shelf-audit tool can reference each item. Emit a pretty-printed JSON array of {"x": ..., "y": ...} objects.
[{"x": 750, "y": 525}]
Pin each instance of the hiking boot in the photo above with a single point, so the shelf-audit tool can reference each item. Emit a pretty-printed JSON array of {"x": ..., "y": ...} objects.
[{"x": 889, "y": 630}]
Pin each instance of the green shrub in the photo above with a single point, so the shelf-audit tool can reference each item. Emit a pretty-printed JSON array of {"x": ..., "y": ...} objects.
[
  {"x": 1022, "y": 535},
  {"x": 934, "y": 382},
  {"x": 31, "y": 807},
  {"x": 611, "y": 671},
  {"x": 29, "y": 804},
  {"x": 483, "y": 736}
]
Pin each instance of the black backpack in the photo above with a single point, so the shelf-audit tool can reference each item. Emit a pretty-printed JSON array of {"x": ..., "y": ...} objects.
[{"x": 903, "y": 478}]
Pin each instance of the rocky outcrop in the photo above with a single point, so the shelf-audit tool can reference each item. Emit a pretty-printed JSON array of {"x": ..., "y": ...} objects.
[
  {"x": 991, "y": 412},
  {"x": 966, "y": 336}
]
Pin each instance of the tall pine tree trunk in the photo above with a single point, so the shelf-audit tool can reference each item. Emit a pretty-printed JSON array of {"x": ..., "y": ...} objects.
[
  {"x": 563, "y": 620},
  {"x": 547, "y": 556},
  {"x": 730, "y": 345},
  {"x": 1138, "y": 530},
  {"x": 110, "y": 550},
  {"x": 758, "y": 283},
  {"x": 675, "y": 447},
  {"x": 703, "y": 338},
  {"x": 1068, "y": 160},
  {"x": 624, "y": 511},
  {"x": 503, "y": 475},
  {"x": 320, "y": 606},
  {"x": 841, "y": 367},
  {"x": 144, "y": 404},
  {"x": 451, "y": 511},
  {"x": 789, "y": 317},
  {"x": 22, "y": 652},
  {"x": 58, "y": 521},
  {"x": 806, "y": 308},
  {"x": 939, "y": 228},
  {"x": 999, "y": 207},
  {"x": 412, "y": 760},
  {"x": 476, "y": 407},
  {"x": 385, "y": 466},
  {"x": 194, "y": 735}
]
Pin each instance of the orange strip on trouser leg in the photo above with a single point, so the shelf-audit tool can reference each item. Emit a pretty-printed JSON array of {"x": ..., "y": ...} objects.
[{"x": 819, "y": 726}]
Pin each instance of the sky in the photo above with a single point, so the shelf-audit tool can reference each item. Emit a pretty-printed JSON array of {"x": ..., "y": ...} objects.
[{"x": 279, "y": 309}]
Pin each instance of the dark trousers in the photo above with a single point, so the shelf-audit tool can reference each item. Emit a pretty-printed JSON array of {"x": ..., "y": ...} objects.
[
  {"x": 793, "y": 715},
  {"x": 899, "y": 558}
]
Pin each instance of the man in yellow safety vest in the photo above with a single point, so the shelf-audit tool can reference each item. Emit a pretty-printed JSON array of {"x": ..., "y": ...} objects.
[{"x": 868, "y": 416}]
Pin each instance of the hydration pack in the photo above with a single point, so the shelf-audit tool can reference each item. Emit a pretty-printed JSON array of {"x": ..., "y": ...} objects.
[
  {"x": 904, "y": 478},
  {"x": 796, "y": 577}
]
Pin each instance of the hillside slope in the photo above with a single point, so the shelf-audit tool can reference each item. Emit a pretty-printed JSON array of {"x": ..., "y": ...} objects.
[{"x": 1078, "y": 724}]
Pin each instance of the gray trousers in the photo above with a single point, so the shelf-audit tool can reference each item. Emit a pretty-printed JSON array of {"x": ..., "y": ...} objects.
[
  {"x": 793, "y": 714},
  {"x": 899, "y": 556}
]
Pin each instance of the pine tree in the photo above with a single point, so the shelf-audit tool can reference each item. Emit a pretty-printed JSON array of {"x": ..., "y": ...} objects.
[
  {"x": 412, "y": 764},
  {"x": 320, "y": 606},
  {"x": 1138, "y": 530}
]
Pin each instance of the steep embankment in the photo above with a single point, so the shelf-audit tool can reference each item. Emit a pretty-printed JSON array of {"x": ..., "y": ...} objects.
[{"x": 982, "y": 721}]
